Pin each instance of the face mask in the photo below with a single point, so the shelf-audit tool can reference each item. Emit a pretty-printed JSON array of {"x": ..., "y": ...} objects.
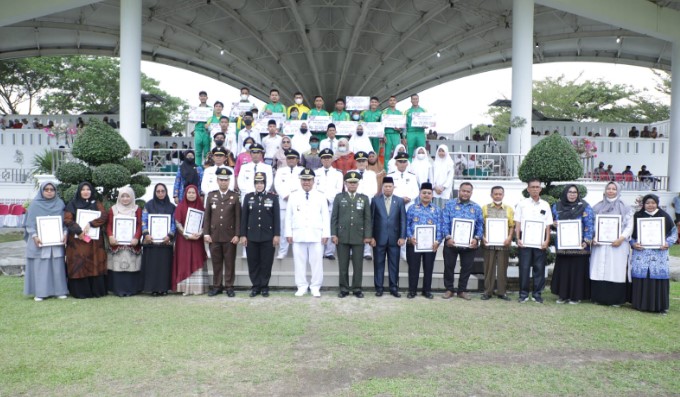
[
  {"x": 314, "y": 145},
  {"x": 360, "y": 133},
  {"x": 219, "y": 142},
  {"x": 247, "y": 146},
  {"x": 420, "y": 156},
  {"x": 497, "y": 202},
  {"x": 303, "y": 130},
  {"x": 294, "y": 115},
  {"x": 355, "y": 117},
  {"x": 342, "y": 149},
  {"x": 244, "y": 97},
  {"x": 248, "y": 122},
  {"x": 298, "y": 101},
  {"x": 190, "y": 160}
]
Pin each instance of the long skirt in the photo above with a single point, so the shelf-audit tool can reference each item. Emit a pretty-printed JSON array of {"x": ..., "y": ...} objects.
[
  {"x": 125, "y": 283},
  {"x": 650, "y": 295},
  {"x": 87, "y": 287},
  {"x": 608, "y": 293},
  {"x": 571, "y": 277},
  {"x": 197, "y": 284},
  {"x": 157, "y": 268},
  {"x": 45, "y": 277}
]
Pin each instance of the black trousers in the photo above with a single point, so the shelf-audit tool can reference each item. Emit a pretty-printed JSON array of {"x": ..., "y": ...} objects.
[
  {"x": 392, "y": 252},
  {"x": 531, "y": 259},
  {"x": 414, "y": 259},
  {"x": 260, "y": 261},
  {"x": 357, "y": 256},
  {"x": 467, "y": 259}
]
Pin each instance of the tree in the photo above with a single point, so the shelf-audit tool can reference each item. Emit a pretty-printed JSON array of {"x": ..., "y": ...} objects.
[
  {"x": 22, "y": 80},
  {"x": 552, "y": 159},
  {"x": 172, "y": 112}
]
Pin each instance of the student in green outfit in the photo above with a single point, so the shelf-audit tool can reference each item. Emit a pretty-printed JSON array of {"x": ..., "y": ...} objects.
[
  {"x": 415, "y": 136},
  {"x": 372, "y": 115},
  {"x": 339, "y": 114},
  {"x": 274, "y": 106},
  {"x": 318, "y": 111},
  {"x": 201, "y": 134},
  {"x": 392, "y": 135},
  {"x": 218, "y": 107}
]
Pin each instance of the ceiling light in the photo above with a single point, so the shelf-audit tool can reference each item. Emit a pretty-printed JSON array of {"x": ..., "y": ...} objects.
[
  {"x": 439, "y": 54},
  {"x": 221, "y": 52},
  {"x": 618, "y": 39}
]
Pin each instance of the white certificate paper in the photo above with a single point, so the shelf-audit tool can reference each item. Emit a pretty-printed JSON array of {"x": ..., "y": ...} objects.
[
  {"x": 462, "y": 231},
  {"x": 496, "y": 231},
  {"x": 200, "y": 113},
  {"x": 650, "y": 232},
  {"x": 425, "y": 235},
  {"x": 569, "y": 235},
  {"x": 159, "y": 227},
  {"x": 394, "y": 120},
  {"x": 357, "y": 102},
  {"x": 374, "y": 129},
  {"x": 346, "y": 128},
  {"x": 318, "y": 123},
  {"x": 292, "y": 127},
  {"x": 426, "y": 120},
  {"x": 194, "y": 222},
  {"x": 533, "y": 233},
  {"x": 50, "y": 230},
  {"x": 124, "y": 229},
  {"x": 83, "y": 217},
  {"x": 607, "y": 228}
]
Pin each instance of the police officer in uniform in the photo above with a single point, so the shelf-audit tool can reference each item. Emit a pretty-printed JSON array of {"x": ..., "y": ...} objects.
[
  {"x": 221, "y": 226},
  {"x": 260, "y": 231},
  {"x": 286, "y": 181},
  {"x": 350, "y": 229},
  {"x": 329, "y": 183}
]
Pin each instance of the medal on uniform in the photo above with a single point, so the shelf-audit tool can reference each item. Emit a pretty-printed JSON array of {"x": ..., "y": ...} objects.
[
  {"x": 268, "y": 203},
  {"x": 214, "y": 206},
  {"x": 360, "y": 205}
]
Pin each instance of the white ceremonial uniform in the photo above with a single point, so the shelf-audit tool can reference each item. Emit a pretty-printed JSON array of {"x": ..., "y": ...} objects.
[
  {"x": 245, "y": 133},
  {"x": 405, "y": 185},
  {"x": 308, "y": 222},
  {"x": 286, "y": 181},
  {"x": 329, "y": 143},
  {"x": 368, "y": 185},
  {"x": 329, "y": 182},
  {"x": 271, "y": 144},
  {"x": 247, "y": 174},
  {"x": 300, "y": 142}
]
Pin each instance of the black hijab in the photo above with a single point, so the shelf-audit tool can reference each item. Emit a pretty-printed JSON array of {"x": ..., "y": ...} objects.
[
  {"x": 158, "y": 206},
  {"x": 668, "y": 222},
  {"x": 188, "y": 170},
  {"x": 79, "y": 203},
  {"x": 567, "y": 210}
]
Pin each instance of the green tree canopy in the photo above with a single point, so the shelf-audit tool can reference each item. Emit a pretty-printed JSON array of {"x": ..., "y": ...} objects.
[{"x": 552, "y": 159}]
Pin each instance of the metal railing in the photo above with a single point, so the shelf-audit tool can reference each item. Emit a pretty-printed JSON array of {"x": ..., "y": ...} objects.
[
  {"x": 471, "y": 165},
  {"x": 157, "y": 161},
  {"x": 15, "y": 175}
]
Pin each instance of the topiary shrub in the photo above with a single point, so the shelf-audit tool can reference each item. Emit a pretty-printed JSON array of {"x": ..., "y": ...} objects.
[
  {"x": 110, "y": 176},
  {"x": 138, "y": 189},
  {"x": 69, "y": 193},
  {"x": 556, "y": 190},
  {"x": 140, "y": 179},
  {"x": 552, "y": 159},
  {"x": 134, "y": 165},
  {"x": 99, "y": 144},
  {"x": 73, "y": 173}
]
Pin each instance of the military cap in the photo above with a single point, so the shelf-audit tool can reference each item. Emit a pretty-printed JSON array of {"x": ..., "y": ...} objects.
[
  {"x": 256, "y": 147},
  {"x": 307, "y": 174},
  {"x": 219, "y": 151},
  {"x": 291, "y": 154},
  {"x": 352, "y": 176},
  {"x": 260, "y": 177},
  {"x": 326, "y": 153},
  {"x": 223, "y": 173},
  {"x": 360, "y": 156},
  {"x": 401, "y": 156},
  {"x": 426, "y": 186},
  {"x": 388, "y": 179}
]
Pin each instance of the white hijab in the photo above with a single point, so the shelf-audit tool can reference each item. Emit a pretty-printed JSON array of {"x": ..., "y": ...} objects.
[
  {"x": 422, "y": 167},
  {"x": 392, "y": 164},
  {"x": 442, "y": 168}
]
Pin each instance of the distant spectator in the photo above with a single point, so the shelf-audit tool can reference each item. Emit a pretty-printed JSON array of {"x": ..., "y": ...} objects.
[
  {"x": 610, "y": 172},
  {"x": 645, "y": 132},
  {"x": 431, "y": 134},
  {"x": 628, "y": 171},
  {"x": 17, "y": 124},
  {"x": 113, "y": 124},
  {"x": 546, "y": 132},
  {"x": 165, "y": 131},
  {"x": 574, "y": 133},
  {"x": 477, "y": 136},
  {"x": 597, "y": 134},
  {"x": 644, "y": 174},
  {"x": 35, "y": 124},
  {"x": 25, "y": 124},
  {"x": 660, "y": 135},
  {"x": 81, "y": 123},
  {"x": 612, "y": 134},
  {"x": 633, "y": 133},
  {"x": 590, "y": 133},
  {"x": 653, "y": 133}
]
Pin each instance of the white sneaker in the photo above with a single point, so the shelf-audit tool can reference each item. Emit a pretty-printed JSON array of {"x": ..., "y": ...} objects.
[
  {"x": 316, "y": 293},
  {"x": 560, "y": 301},
  {"x": 301, "y": 292},
  {"x": 574, "y": 302},
  {"x": 280, "y": 256},
  {"x": 38, "y": 299},
  {"x": 61, "y": 297}
]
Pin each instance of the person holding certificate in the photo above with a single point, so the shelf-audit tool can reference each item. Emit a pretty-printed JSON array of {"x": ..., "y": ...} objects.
[
  {"x": 392, "y": 135},
  {"x": 85, "y": 256},
  {"x": 45, "y": 261},
  {"x": 570, "y": 279},
  {"x": 125, "y": 260},
  {"x": 499, "y": 225},
  {"x": 610, "y": 251},
  {"x": 422, "y": 213},
  {"x": 189, "y": 273},
  {"x": 415, "y": 136},
  {"x": 462, "y": 239},
  {"x": 533, "y": 219},
  {"x": 158, "y": 229},
  {"x": 649, "y": 266}
]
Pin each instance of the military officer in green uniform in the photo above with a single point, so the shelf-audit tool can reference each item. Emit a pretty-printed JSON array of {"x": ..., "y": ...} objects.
[{"x": 351, "y": 228}]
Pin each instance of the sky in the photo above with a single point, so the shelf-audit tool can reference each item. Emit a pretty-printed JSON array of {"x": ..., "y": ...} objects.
[{"x": 463, "y": 101}]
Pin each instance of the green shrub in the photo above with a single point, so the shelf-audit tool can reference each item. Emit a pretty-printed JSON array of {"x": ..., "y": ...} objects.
[
  {"x": 556, "y": 190},
  {"x": 68, "y": 193},
  {"x": 140, "y": 179},
  {"x": 552, "y": 159},
  {"x": 139, "y": 190},
  {"x": 99, "y": 144},
  {"x": 134, "y": 165},
  {"x": 110, "y": 176},
  {"x": 550, "y": 199},
  {"x": 73, "y": 173}
]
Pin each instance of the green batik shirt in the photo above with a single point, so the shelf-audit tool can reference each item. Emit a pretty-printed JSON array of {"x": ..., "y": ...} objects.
[
  {"x": 409, "y": 119},
  {"x": 274, "y": 108},
  {"x": 390, "y": 111},
  {"x": 371, "y": 116},
  {"x": 211, "y": 121},
  {"x": 315, "y": 112},
  {"x": 335, "y": 116}
]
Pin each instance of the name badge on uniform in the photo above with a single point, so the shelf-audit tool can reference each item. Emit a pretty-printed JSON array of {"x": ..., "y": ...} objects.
[
  {"x": 268, "y": 203},
  {"x": 360, "y": 204}
]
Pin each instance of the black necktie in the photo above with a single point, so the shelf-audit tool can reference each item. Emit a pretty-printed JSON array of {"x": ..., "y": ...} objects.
[
  {"x": 362, "y": 173},
  {"x": 326, "y": 172},
  {"x": 256, "y": 168},
  {"x": 307, "y": 195}
]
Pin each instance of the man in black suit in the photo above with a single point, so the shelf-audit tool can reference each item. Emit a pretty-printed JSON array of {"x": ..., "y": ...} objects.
[{"x": 389, "y": 234}]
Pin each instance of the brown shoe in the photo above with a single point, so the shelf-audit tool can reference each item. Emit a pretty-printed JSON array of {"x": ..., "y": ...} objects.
[
  {"x": 448, "y": 295},
  {"x": 464, "y": 295}
]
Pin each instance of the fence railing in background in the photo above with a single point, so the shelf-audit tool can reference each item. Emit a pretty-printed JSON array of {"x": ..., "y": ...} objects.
[
  {"x": 472, "y": 165},
  {"x": 154, "y": 160},
  {"x": 15, "y": 175}
]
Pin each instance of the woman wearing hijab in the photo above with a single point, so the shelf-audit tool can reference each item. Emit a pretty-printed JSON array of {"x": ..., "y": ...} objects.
[
  {"x": 392, "y": 164},
  {"x": 570, "y": 280},
  {"x": 609, "y": 263},
  {"x": 85, "y": 257},
  {"x": 189, "y": 273},
  {"x": 421, "y": 165},
  {"x": 344, "y": 159},
  {"x": 187, "y": 174},
  {"x": 244, "y": 156},
  {"x": 45, "y": 275},
  {"x": 157, "y": 256},
  {"x": 280, "y": 156},
  {"x": 649, "y": 267},
  {"x": 442, "y": 176},
  {"x": 125, "y": 261}
]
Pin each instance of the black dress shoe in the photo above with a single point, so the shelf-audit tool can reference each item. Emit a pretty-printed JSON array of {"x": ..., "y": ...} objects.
[
  {"x": 359, "y": 294},
  {"x": 411, "y": 295},
  {"x": 230, "y": 293},
  {"x": 254, "y": 293},
  {"x": 342, "y": 294},
  {"x": 485, "y": 297},
  {"x": 395, "y": 294},
  {"x": 330, "y": 257},
  {"x": 265, "y": 293},
  {"x": 428, "y": 295},
  {"x": 378, "y": 293},
  {"x": 504, "y": 297},
  {"x": 214, "y": 291},
  {"x": 368, "y": 257}
]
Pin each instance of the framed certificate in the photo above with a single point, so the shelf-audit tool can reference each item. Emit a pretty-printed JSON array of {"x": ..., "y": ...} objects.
[
  {"x": 357, "y": 102},
  {"x": 50, "y": 230},
  {"x": 124, "y": 229},
  {"x": 651, "y": 232},
  {"x": 425, "y": 237},
  {"x": 496, "y": 231},
  {"x": 200, "y": 113},
  {"x": 607, "y": 228},
  {"x": 194, "y": 222},
  {"x": 83, "y": 217},
  {"x": 462, "y": 231},
  {"x": 569, "y": 235},
  {"x": 533, "y": 233},
  {"x": 394, "y": 120},
  {"x": 159, "y": 227},
  {"x": 423, "y": 120}
]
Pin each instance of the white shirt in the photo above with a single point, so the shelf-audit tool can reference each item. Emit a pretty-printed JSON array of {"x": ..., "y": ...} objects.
[
  {"x": 307, "y": 219},
  {"x": 360, "y": 144},
  {"x": 209, "y": 181},
  {"x": 286, "y": 182},
  {"x": 245, "y": 133},
  {"x": 329, "y": 183},
  {"x": 300, "y": 142},
  {"x": 230, "y": 142},
  {"x": 528, "y": 209},
  {"x": 405, "y": 185},
  {"x": 271, "y": 144},
  {"x": 329, "y": 143},
  {"x": 368, "y": 184},
  {"x": 246, "y": 175}
]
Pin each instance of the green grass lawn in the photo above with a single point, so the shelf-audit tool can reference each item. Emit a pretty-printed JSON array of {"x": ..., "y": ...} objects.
[
  {"x": 291, "y": 346},
  {"x": 674, "y": 250},
  {"x": 11, "y": 236}
]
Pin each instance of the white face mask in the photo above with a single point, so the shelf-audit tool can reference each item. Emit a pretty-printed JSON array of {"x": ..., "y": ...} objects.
[
  {"x": 244, "y": 97},
  {"x": 298, "y": 101},
  {"x": 342, "y": 149},
  {"x": 497, "y": 202},
  {"x": 420, "y": 156},
  {"x": 247, "y": 146}
]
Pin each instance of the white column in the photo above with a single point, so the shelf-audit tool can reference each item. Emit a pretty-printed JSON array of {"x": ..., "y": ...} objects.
[
  {"x": 674, "y": 134},
  {"x": 519, "y": 140},
  {"x": 130, "y": 72}
]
